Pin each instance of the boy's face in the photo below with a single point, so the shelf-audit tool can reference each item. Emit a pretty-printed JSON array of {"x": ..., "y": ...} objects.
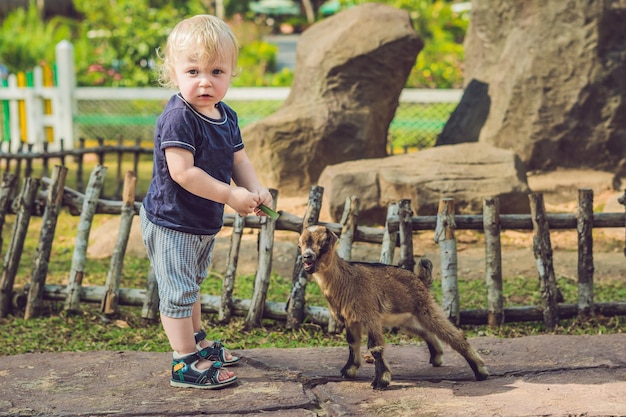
[{"x": 201, "y": 83}]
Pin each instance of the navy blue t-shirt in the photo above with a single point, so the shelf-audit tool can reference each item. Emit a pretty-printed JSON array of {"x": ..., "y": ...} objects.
[{"x": 213, "y": 144}]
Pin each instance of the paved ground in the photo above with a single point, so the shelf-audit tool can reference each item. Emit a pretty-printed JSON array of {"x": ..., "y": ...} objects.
[{"x": 531, "y": 376}]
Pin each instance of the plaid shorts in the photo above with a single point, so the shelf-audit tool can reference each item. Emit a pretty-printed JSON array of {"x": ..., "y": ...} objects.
[{"x": 180, "y": 262}]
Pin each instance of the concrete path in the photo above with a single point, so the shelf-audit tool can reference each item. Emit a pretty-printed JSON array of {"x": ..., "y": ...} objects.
[{"x": 531, "y": 376}]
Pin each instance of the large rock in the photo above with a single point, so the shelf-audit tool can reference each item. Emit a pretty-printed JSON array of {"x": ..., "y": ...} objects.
[
  {"x": 350, "y": 71},
  {"x": 555, "y": 71},
  {"x": 468, "y": 172}
]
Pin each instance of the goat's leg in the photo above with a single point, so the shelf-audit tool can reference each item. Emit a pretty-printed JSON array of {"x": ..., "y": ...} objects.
[
  {"x": 376, "y": 346},
  {"x": 438, "y": 324},
  {"x": 353, "y": 337},
  {"x": 434, "y": 347}
]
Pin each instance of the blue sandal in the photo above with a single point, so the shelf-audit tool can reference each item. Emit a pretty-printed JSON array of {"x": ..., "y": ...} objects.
[
  {"x": 186, "y": 375},
  {"x": 217, "y": 352}
]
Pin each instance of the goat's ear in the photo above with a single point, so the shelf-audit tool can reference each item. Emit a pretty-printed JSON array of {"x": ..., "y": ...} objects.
[{"x": 332, "y": 237}]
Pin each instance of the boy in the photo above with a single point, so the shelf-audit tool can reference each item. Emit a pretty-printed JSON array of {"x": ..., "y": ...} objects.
[{"x": 198, "y": 150}]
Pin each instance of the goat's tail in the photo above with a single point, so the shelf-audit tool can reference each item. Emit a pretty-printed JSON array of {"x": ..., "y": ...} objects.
[{"x": 425, "y": 272}]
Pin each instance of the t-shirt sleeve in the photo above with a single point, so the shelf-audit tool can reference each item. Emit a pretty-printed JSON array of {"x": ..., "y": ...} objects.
[{"x": 177, "y": 131}]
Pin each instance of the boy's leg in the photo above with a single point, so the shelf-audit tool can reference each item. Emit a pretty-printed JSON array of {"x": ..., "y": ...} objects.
[{"x": 178, "y": 294}]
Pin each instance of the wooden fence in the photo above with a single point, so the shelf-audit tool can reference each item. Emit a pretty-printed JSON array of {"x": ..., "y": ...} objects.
[
  {"x": 20, "y": 161},
  {"x": 396, "y": 234}
]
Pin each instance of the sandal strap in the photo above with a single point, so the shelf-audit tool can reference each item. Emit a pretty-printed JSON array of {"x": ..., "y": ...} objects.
[
  {"x": 215, "y": 352},
  {"x": 188, "y": 359},
  {"x": 199, "y": 336},
  {"x": 213, "y": 372}
]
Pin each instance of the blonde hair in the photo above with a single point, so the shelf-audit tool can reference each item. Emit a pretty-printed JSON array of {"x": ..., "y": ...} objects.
[{"x": 204, "y": 38}]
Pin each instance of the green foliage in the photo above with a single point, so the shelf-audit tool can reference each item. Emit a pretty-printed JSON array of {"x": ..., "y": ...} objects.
[
  {"x": 116, "y": 43},
  {"x": 256, "y": 59},
  {"x": 439, "y": 63},
  {"x": 25, "y": 42}
]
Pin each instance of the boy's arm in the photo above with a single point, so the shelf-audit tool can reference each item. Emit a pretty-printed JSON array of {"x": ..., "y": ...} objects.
[
  {"x": 244, "y": 175},
  {"x": 198, "y": 182}
]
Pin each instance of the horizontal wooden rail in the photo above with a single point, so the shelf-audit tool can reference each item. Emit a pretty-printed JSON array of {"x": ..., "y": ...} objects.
[
  {"x": 287, "y": 221},
  {"x": 556, "y": 221},
  {"x": 318, "y": 315}
]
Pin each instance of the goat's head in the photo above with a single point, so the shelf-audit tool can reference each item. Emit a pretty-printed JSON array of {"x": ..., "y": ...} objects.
[{"x": 315, "y": 243}]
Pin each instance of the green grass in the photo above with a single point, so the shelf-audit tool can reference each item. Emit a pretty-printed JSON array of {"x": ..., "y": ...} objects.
[{"x": 56, "y": 331}]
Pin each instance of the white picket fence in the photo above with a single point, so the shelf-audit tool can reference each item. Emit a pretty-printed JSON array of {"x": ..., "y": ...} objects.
[{"x": 30, "y": 123}]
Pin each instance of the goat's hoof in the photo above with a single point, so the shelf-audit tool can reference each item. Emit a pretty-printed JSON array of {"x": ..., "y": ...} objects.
[
  {"x": 482, "y": 376},
  {"x": 349, "y": 372},
  {"x": 436, "y": 362},
  {"x": 379, "y": 385}
]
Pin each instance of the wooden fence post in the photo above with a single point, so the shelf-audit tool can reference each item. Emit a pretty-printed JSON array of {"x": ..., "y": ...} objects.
[
  {"x": 444, "y": 236},
  {"x": 622, "y": 201},
  {"x": 80, "y": 185},
  {"x": 6, "y": 190},
  {"x": 226, "y": 306},
  {"x": 348, "y": 227},
  {"x": 407, "y": 260},
  {"x": 390, "y": 239},
  {"x": 96, "y": 181},
  {"x": 344, "y": 248},
  {"x": 542, "y": 249},
  {"x": 295, "y": 303},
  {"x": 25, "y": 203},
  {"x": 54, "y": 204},
  {"x": 585, "y": 253},
  {"x": 110, "y": 301},
  {"x": 493, "y": 261},
  {"x": 136, "y": 155},
  {"x": 119, "y": 182},
  {"x": 18, "y": 164},
  {"x": 263, "y": 274}
]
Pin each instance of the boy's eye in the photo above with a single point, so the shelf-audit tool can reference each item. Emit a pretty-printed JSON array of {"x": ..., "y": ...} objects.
[
  {"x": 217, "y": 71},
  {"x": 192, "y": 72}
]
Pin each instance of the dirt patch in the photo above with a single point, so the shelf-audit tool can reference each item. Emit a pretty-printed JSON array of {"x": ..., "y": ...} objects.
[{"x": 560, "y": 191}]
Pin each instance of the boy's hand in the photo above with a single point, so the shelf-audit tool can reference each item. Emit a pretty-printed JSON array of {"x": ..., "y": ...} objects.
[
  {"x": 243, "y": 201},
  {"x": 265, "y": 198}
]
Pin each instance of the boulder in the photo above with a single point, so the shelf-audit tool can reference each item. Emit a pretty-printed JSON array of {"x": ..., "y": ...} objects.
[
  {"x": 468, "y": 172},
  {"x": 350, "y": 71},
  {"x": 468, "y": 117},
  {"x": 555, "y": 71}
]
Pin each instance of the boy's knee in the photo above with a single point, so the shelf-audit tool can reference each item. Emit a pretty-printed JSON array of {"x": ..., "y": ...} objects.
[{"x": 178, "y": 304}]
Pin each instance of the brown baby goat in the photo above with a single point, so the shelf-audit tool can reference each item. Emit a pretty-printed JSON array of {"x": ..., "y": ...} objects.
[{"x": 366, "y": 297}]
